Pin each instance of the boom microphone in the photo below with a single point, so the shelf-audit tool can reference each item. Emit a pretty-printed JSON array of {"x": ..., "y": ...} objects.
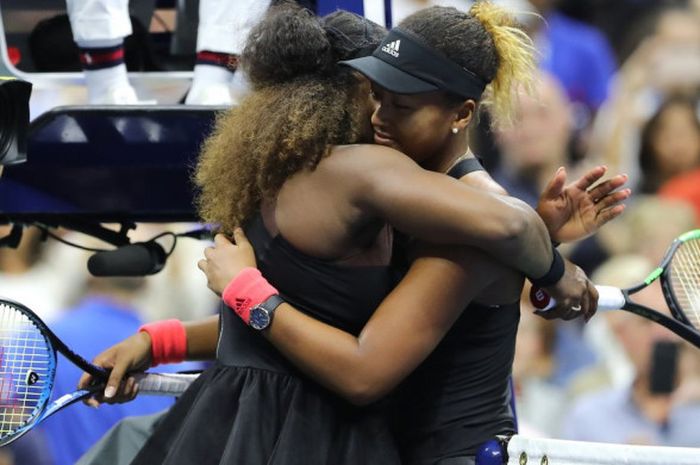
[{"x": 139, "y": 259}]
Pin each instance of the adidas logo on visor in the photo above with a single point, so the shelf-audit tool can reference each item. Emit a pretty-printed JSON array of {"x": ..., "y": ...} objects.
[{"x": 392, "y": 48}]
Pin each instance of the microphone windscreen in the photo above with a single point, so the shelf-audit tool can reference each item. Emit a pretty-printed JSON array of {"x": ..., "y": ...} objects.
[{"x": 139, "y": 259}]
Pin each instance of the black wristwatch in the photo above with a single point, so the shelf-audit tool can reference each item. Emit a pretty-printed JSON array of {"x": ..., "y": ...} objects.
[{"x": 261, "y": 315}]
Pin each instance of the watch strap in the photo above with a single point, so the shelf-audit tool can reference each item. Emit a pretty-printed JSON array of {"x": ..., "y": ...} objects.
[
  {"x": 271, "y": 303},
  {"x": 261, "y": 315}
]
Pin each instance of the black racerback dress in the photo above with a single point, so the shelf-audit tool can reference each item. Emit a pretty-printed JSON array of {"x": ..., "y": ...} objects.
[
  {"x": 460, "y": 396},
  {"x": 252, "y": 407}
]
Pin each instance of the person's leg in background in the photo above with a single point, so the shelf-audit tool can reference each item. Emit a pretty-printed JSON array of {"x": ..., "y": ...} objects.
[
  {"x": 224, "y": 26},
  {"x": 99, "y": 28}
]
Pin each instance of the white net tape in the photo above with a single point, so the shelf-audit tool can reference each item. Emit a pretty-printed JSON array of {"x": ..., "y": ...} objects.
[{"x": 535, "y": 451}]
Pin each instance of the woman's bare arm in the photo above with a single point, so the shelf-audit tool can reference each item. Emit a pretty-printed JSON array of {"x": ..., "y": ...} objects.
[
  {"x": 401, "y": 333},
  {"x": 133, "y": 354},
  {"x": 202, "y": 337},
  {"x": 439, "y": 209}
]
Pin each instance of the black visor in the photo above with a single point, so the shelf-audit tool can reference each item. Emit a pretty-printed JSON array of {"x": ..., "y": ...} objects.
[{"x": 405, "y": 65}]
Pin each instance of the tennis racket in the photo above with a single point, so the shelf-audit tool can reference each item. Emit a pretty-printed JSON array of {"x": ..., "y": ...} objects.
[
  {"x": 28, "y": 368},
  {"x": 679, "y": 274}
]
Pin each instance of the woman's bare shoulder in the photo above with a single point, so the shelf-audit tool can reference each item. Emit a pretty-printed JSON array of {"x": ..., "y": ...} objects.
[
  {"x": 483, "y": 181},
  {"x": 367, "y": 153},
  {"x": 365, "y": 162}
]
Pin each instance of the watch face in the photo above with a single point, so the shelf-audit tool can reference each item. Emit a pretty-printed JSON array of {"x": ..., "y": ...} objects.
[{"x": 259, "y": 318}]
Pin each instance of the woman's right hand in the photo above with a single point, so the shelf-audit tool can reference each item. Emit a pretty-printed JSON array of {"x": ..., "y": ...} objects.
[
  {"x": 223, "y": 261},
  {"x": 575, "y": 295},
  {"x": 133, "y": 354}
]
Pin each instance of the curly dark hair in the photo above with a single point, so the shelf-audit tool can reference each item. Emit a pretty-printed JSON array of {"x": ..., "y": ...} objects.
[
  {"x": 352, "y": 35},
  {"x": 302, "y": 105}
]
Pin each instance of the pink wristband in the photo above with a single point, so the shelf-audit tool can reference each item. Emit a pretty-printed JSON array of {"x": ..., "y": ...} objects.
[
  {"x": 168, "y": 341},
  {"x": 248, "y": 289}
]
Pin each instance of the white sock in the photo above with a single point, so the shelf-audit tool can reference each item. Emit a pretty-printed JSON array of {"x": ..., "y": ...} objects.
[
  {"x": 210, "y": 86},
  {"x": 101, "y": 81},
  {"x": 104, "y": 77}
]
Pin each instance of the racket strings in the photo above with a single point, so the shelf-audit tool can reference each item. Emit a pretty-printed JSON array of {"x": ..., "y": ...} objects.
[
  {"x": 26, "y": 365},
  {"x": 685, "y": 280}
]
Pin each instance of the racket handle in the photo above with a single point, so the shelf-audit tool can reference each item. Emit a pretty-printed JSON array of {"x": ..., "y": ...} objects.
[
  {"x": 609, "y": 298},
  {"x": 163, "y": 384}
]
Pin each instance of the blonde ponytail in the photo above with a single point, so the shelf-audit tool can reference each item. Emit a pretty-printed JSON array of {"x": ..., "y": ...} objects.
[{"x": 516, "y": 67}]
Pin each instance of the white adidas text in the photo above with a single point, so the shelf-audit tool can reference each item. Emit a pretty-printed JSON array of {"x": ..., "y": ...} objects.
[{"x": 392, "y": 48}]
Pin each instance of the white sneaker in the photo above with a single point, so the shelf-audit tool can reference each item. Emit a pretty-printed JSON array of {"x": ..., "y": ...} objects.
[
  {"x": 118, "y": 95},
  {"x": 212, "y": 94}
]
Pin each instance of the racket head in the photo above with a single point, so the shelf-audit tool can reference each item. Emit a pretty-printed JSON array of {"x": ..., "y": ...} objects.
[
  {"x": 27, "y": 369},
  {"x": 680, "y": 279}
]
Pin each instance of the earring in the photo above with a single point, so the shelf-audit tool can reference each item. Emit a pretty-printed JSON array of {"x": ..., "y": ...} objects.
[{"x": 455, "y": 130}]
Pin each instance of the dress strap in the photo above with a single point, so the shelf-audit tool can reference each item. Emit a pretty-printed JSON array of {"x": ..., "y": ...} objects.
[{"x": 464, "y": 167}]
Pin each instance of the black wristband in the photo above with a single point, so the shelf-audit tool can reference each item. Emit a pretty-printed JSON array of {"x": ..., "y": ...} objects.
[{"x": 555, "y": 273}]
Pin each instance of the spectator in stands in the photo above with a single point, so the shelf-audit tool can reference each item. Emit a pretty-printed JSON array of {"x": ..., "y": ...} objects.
[
  {"x": 636, "y": 413},
  {"x": 99, "y": 28},
  {"x": 636, "y": 243},
  {"x": 580, "y": 56},
  {"x": 667, "y": 62},
  {"x": 28, "y": 273},
  {"x": 612, "y": 367},
  {"x": 648, "y": 226},
  {"x": 538, "y": 141},
  {"x": 684, "y": 187},
  {"x": 670, "y": 142},
  {"x": 683, "y": 142},
  {"x": 539, "y": 400},
  {"x": 576, "y": 53}
]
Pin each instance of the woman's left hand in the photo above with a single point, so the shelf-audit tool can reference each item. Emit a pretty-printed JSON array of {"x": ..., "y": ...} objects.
[
  {"x": 223, "y": 261},
  {"x": 576, "y": 211}
]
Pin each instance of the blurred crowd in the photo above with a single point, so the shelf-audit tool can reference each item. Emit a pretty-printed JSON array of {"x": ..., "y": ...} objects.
[
  {"x": 625, "y": 93},
  {"x": 620, "y": 86}
]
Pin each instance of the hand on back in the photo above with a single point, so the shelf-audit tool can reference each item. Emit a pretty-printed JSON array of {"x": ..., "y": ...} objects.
[{"x": 226, "y": 259}]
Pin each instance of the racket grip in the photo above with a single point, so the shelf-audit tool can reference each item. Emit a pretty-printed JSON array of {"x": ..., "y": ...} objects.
[
  {"x": 164, "y": 384},
  {"x": 609, "y": 298}
]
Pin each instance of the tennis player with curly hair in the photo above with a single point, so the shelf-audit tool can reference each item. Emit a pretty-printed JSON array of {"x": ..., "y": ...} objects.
[{"x": 317, "y": 207}]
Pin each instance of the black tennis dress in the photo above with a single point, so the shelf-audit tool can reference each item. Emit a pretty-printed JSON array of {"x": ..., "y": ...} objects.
[
  {"x": 252, "y": 407},
  {"x": 460, "y": 396}
]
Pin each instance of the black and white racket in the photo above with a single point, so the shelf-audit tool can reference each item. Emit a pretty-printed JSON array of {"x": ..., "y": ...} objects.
[
  {"x": 28, "y": 367},
  {"x": 679, "y": 274}
]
